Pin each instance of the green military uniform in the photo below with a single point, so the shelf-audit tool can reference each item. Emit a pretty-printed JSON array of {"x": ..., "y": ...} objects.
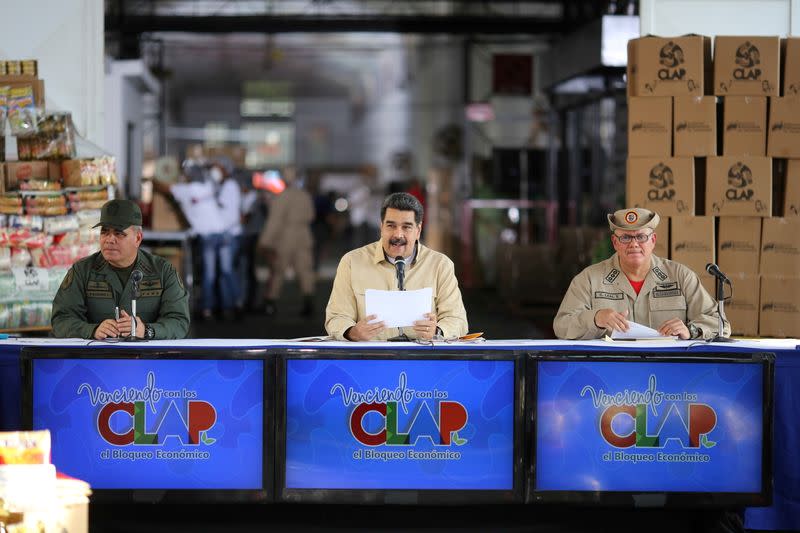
[{"x": 91, "y": 290}]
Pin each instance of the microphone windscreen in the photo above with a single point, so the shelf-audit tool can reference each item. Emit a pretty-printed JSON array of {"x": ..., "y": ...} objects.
[{"x": 137, "y": 276}]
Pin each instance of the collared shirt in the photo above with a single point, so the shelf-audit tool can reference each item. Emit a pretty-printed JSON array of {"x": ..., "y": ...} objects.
[
  {"x": 91, "y": 290},
  {"x": 367, "y": 268},
  {"x": 670, "y": 290},
  {"x": 199, "y": 204}
]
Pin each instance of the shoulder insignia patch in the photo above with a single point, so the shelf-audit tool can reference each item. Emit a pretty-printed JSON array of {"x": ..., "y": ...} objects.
[
  {"x": 67, "y": 281},
  {"x": 659, "y": 273},
  {"x": 612, "y": 276}
]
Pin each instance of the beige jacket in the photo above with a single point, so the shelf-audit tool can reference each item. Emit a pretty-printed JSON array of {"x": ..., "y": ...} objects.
[
  {"x": 367, "y": 268},
  {"x": 670, "y": 290},
  {"x": 288, "y": 224}
]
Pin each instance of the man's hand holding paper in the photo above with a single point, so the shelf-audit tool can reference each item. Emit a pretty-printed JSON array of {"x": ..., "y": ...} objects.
[{"x": 399, "y": 309}]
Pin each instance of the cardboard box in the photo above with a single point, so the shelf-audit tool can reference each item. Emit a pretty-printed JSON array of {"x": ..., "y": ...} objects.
[
  {"x": 165, "y": 215},
  {"x": 779, "y": 307},
  {"x": 746, "y": 66},
  {"x": 744, "y": 126},
  {"x": 650, "y": 126},
  {"x": 23, "y": 81},
  {"x": 790, "y": 66},
  {"x": 664, "y": 185},
  {"x": 662, "y": 238},
  {"x": 742, "y": 309},
  {"x": 784, "y": 127},
  {"x": 739, "y": 186},
  {"x": 668, "y": 66},
  {"x": 780, "y": 247},
  {"x": 709, "y": 283},
  {"x": 17, "y": 171},
  {"x": 695, "y": 126},
  {"x": 693, "y": 242},
  {"x": 791, "y": 197},
  {"x": 739, "y": 245}
]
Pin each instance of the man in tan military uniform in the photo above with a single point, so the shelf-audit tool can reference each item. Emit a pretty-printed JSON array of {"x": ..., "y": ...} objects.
[
  {"x": 85, "y": 304},
  {"x": 287, "y": 237},
  {"x": 634, "y": 285},
  {"x": 373, "y": 267}
]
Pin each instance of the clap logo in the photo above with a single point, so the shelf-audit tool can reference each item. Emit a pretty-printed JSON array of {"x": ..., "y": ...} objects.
[
  {"x": 740, "y": 178},
  {"x": 440, "y": 428},
  {"x": 627, "y": 418},
  {"x": 123, "y": 418},
  {"x": 662, "y": 183},
  {"x": 747, "y": 57},
  {"x": 671, "y": 57}
]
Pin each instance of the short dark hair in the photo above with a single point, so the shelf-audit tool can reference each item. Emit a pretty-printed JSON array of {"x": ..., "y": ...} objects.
[{"x": 402, "y": 201}]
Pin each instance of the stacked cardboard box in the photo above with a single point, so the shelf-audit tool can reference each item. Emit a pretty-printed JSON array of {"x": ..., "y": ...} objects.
[
  {"x": 721, "y": 208},
  {"x": 671, "y": 121}
]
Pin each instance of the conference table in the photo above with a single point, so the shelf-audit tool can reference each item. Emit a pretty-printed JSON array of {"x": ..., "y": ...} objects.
[{"x": 782, "y": 514}]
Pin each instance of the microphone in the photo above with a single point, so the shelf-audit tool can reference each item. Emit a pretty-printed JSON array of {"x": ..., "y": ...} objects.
[
  {"x": 714, "y": 270},
  {"x": 400, "y": 266}
]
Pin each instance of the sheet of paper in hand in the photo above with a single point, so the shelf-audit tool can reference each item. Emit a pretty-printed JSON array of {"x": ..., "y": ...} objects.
[{"x": 398, "y": 309}]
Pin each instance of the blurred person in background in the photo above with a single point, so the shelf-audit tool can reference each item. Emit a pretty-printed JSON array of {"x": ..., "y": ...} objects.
[
  {"x": 229, "y": 198},
  {"x": 200, "y": 205},
  {"x": 254, "y": 216},
  {"x": 635, "y": 285},
  {"x": 287, "y": 240}
]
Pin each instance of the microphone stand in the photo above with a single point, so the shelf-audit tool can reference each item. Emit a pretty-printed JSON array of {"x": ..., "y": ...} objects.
[
  {"x": 132, "y": 337},
  {"x": 401, "y": 286},
  {"x": 720, "y": 286}
]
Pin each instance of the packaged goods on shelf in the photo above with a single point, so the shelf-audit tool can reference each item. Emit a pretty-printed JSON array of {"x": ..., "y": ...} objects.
[
  {"x": 55, "y": 139},
  {"x": 89, "y": 172},
  {"x": 22, "y": 114},
  {"x": 3, "y": 108},
  {"x": 61, "y": 224},
  {"x": 10, "y": 205}
]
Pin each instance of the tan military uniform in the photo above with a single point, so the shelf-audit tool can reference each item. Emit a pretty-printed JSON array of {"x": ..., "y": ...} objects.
[
  {"x": 670, "y": 290},
  {"x": 367, "y": 268},
  {"x": 288, "y": 232}
]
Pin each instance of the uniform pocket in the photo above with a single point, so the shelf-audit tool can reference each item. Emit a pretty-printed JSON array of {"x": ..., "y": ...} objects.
[{"x": 663, "y": 309}]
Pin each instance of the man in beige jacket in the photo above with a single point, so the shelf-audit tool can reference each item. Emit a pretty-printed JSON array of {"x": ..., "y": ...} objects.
[
  {"x": 287, "y": 239},
  {"x": 634, "y": 285},
  {"x": 373, "y": 267}
]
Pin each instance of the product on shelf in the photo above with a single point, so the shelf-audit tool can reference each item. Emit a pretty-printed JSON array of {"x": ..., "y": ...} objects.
[
  {"x": 22, "y": 110},
  {"x": 55, "y": 139}
]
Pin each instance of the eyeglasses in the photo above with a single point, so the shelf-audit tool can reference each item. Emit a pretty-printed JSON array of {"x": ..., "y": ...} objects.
[{"x": 627, "y": 238}]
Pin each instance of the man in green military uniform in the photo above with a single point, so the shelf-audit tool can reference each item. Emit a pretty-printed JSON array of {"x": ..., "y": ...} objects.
[{"x": 85, "y": 305}]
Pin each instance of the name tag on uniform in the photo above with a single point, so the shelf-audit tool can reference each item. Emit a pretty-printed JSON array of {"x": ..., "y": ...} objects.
[
  {"x": 608, "y": 295},
  {"x": 666, "y": 290},
  {"x": 98, "y": 289}
]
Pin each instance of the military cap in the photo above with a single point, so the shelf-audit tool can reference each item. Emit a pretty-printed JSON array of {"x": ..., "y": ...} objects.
[
  {"x": 120, "y": 214},
  {"x": 633, "y": 219}
]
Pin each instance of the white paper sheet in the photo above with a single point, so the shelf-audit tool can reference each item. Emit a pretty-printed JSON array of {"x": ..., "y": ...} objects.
[
  {"x": 636, "y": 331},
  {"x": 398, "y": 309}
]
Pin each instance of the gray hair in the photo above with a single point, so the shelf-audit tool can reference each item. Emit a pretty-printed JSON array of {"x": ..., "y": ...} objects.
[{"x": 402, "y": 201}]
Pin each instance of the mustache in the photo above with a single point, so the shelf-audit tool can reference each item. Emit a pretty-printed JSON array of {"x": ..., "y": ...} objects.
[{"x": 398, "y": 241}]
